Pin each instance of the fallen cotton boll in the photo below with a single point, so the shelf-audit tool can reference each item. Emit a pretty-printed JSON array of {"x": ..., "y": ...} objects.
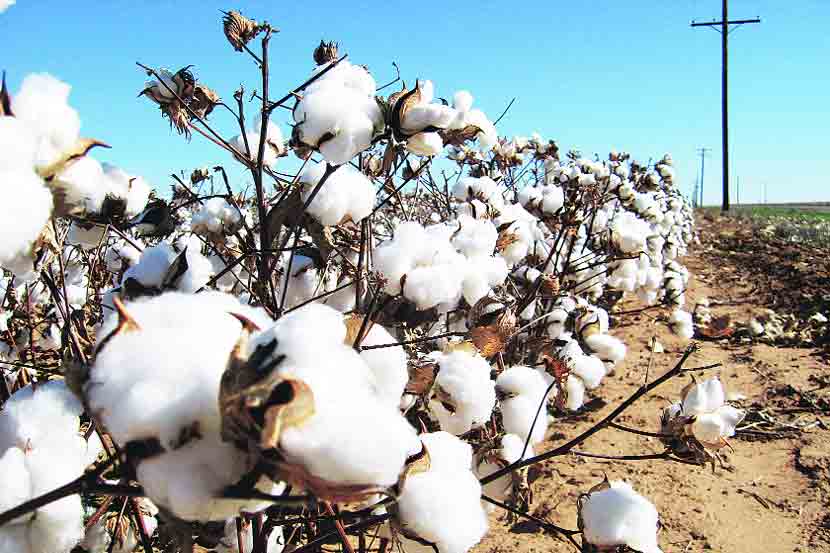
[
  {"x": 713, "y": 419},
  {"x": 618, "y": 516}
]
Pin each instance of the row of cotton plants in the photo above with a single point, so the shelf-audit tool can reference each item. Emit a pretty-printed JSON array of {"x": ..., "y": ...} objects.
[{"x": 384, "y": 326}]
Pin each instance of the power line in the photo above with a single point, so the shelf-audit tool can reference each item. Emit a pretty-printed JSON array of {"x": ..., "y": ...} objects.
[
  {"x": 724, "y": 31},
  {"x": 702, "y": 152}
]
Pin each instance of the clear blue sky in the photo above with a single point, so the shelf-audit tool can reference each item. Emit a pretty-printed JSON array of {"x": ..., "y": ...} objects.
[{"x": 595, "y": 75}]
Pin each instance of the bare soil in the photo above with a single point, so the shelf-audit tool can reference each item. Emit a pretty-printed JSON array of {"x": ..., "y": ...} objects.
[{"x": 773, "y": 493}]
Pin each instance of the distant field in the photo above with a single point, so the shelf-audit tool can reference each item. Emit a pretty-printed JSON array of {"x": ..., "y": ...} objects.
[{"x": 818, "y": 211}]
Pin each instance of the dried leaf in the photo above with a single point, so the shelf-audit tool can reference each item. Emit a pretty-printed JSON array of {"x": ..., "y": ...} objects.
[
  {"x": 291, "y": 404},
  {"x": 421, "y": 378}
]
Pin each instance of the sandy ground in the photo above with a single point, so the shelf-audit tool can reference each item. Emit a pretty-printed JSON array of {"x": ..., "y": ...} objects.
[{"x": 774, "y": 491}]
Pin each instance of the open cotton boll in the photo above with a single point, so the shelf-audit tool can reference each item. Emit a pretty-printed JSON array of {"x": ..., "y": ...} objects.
[
  {"x": 216, "y": 216},
  {"x": 606, "y": 347},
  {"x": 141, "y": 388},
  {"x": 443, "y": 507},
  {"x": 589, "y": 368},
  {"x": 42, "y": 104},
  {"x": 447, "y": 452},
  {"x": 346, "y": 194},
  {"x": 425, "y": 144},
  {"x": 462, "y": 100},
  {"x": 387, "y": 364},
  {"x": 339, "y": 442},
  {"x": 346, "y": 117},
  {"x": 501, "y": 488},
  {"x": 704, "y": 397},
  {"x": 302, "y": 282},
  {"x": 18, "y": 143},
  {"x": 465, "y": 394},
  {"x": 681, "y": 324},
  {"x": 620, "y": 516},
  {"x": 40, "y": 450},
  {"x": 524, "y": 390},
  {"x": 23, "y": 213},
  {"x": 475, "y": 237},
  {"x": 629, "y": 232},
  {"x": 152, "y": 265},
  {"x": 435, "y": 285}
]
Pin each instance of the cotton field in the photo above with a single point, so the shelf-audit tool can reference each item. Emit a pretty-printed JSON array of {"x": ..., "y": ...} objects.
[{"x": 364, "y": 344}]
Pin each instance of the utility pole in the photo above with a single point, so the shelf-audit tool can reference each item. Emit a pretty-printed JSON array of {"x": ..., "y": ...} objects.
[
  {"x": 702, "y": 151},
  {"x": 738, "y": 192},
  {"x": 724, "y": 31}
]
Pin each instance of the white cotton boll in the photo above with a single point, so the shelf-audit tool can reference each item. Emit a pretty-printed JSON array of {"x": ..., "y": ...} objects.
[
  {"x": 475, "y": 237},
  {"x": 152, "y": 265},
  {"x": 630, "y": 232},
  {"x": 42, "y": 104},
  {"x": 606, "y": 347},
  {"x": 82, "y": 183},
  {"x": 183, "y": 382},
  {"x": 589, "y": 368},
  {"x": 216, "y": 216},
  {"x": 31, "y": 415},
  {"x": 447, "y": 452},
  {"x": 85, "y": 238},
  {"x": 345, "y": 114},
  {"x": 620, "y": 516},
  {"x": 339, "y": 442},
  {"x": 465, "y": 379},
  {"x": 553, "y": 199},
  {"x": 443, "y": 507},
  {"x": 425, "y": 144},
  {"x": 199, "y": 272},
  {"x": 575, "y": 389},
  {"x": 500, "y": 489},
  {"x": 425, "y": 115},
  {"x": 428, "y": 287},
  {"x": 387, "y": 364},
  {"x": 347, "y": 193},
  {"x": 681, "y": 324},
  {"x": 462, "y": 101},
  {"x": 17, "y": 142},
  {"x": 704, "y": 397},
  {"x": 23, "y": 214}
]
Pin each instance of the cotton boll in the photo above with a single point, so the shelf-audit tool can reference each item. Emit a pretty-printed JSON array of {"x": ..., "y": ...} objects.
[
  {"x": 346, "y": 194},
  {"x": 620, "y": 516},
  {"x": 183, "y": 382},
  {"x": 152, "y": 265},
  {"x": 387, "y": 364},
  {"x": 42, "y": 104},
  {"x": 216, "y": 216},
  {"x": 681, "y": 323},
  {"x": 606, "y": 347},
  {"x": 24, "y": 214},
  {"x": 443, "y": 507},
  {"x": 575, "y": 389},
  {"x": 462, "y": 101},
  {"x": 447, "y": 452},
  {"x": 465, "y": 387},
  {"x": 589, "y": 368},
  {"x": 425, "y": 144}
]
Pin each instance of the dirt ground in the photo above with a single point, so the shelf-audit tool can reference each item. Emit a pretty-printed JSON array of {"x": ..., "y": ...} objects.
[{"x": 774, "y": 492}]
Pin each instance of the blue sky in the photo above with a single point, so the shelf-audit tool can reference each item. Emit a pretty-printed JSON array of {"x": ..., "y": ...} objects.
[{"x": 593, "y": 74}]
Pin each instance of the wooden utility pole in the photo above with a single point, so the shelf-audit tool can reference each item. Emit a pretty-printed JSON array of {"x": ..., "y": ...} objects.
[{"x": 722, "y": 27}]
